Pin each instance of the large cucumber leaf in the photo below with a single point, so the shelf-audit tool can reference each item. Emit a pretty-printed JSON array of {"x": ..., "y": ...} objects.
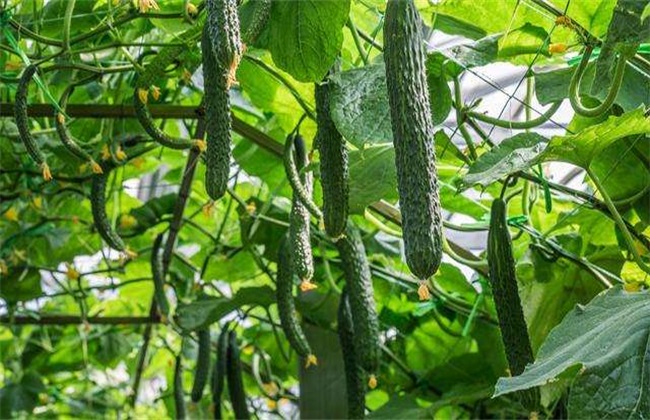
[{"x": 604, "y": 347}]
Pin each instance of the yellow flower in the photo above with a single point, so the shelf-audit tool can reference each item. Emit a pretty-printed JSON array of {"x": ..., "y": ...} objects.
[
  {"x": 306, "y": 286},
  {"x": 11, "y": 214},
  {"x": 145, "y": 5},
  {"x": 191, "y": 10},
  {"x": 106, "y": 154},
  {"x": 127, "y": 221},
  {"x": 208, "y": 209},
  {"x": 60, "y": 118},
  {"x": 271, "y": 404},
  {"x": 201, "y": 145},
  {"x": 143, "y": 95},
  {"x": 71, "y": 272},
  {"x": 186, "y": 76},
  {"x": 251, "y": 208},
  {"x": 119, "y": 154},
  {"x": 97, "y": 169},
  {"x": 311, "y": 360},
  {"x": 423, "y": 291},
  {"x": 47, "y": 175},
  {"x": 372, "y": 382},
  {"x": 557, "y": 48},
  {"x": 37, "y": 201},
  {"x": 155, "y": 92},
  {"x": 138, "y": 162}
]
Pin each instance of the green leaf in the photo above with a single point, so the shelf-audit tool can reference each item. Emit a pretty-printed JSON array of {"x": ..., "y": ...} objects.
[
  {"x": 201, "y": 313},
  {"x": 306, "y": 36},
  {"x": 514, "y": 154},
  {"x": 20, "y": 284},
  {"x": 21, "y": 396},
  {"x": 453, "y": 26},
  {"x": 604, "y": 346},
  {"x": 580, "y": 149},
  {"x": 150, "y": 213},
  {"x": 440, "y": 95},
  {"x": 372, "y": 176},
  {"x": 359, "y": 105},
  {"x": 526, "y": 40},
  {"x": 453, "y": 61},
  {"x": 401, "y": 407}
]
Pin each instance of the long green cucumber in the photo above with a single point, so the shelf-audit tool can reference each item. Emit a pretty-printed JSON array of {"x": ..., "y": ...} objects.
[
  {"x": 286, "y": 306},
  {"x": 66, "y": 138},
  {"x": 333, "y": 153},
  {"x": 257, "y": 23},
  {"x": 158, "y": 274},
  {"x": 362, "y": 301},
  {"x": 154, "y": 71},
  {"x": 179, "y": 394},
  {"x": 302, "y": 257},
  {"x": 22, "y": 121},
  {"x": 410, "y": 112},
  {"x": 98, "y": 208},
  {"x": 218, "y": 122},
  {"x": 355, "y": 377},
  {"x": 202, "y": 369},
  {"x": 503, "y": 279},
  {"x": 219, "y": 372},
  {"x": 223, "y": 30},
  {"x": 235, "y": 380}
]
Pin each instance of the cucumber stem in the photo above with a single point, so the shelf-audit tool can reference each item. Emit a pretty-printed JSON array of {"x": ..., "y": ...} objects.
[
  {"x": 574, "y": 95},
  {"x": 517, "y": 125},
  {"x": 458, "y": 98}
]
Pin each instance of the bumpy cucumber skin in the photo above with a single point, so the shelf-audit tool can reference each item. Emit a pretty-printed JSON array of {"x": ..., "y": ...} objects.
[
  {"x": 154, "y": 71},
  {"x": 158, "y": 274},
  {"x": 223, "y": 29},
  {"x": 355, "y": 377},
  {"x": 219, "y": 373},
  {"x": 98, "y": 208},
  {"x": 235, "y": 380},
  {"x": 361, "y": 297},
  {"x": 301, "y": 253},
  {"x": 202, "y": 365},
  {"x": 286, "y": 306},
  {"x": 218, "y": 122},
  {"x": 63, "y": 132},
  {"x": 258, "y": 22},
  {"x": 503, "y": 280},
  {"x": 333, "y": 154},
  {"x": 22, "y": 119},
  {"x": 413, "y": 134},
  {"x": 179, "y": 396}
]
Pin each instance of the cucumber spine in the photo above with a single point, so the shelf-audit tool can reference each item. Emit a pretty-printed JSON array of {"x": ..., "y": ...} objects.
[
  {"x": 98, "y": 208},
  {"x": 413, "y": 134}
]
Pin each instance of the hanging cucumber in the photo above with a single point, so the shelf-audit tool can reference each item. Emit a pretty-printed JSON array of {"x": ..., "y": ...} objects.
[
  {"x": 98, "y": 208},
  {"x": 66, "y": 138},
  {"x": 154, "y": 71},
  {"x": 413, "y": 134},
  {"x": 302, "y": 258},
  {"x": 22, "y": 121},
  {"x": 219, "y": 372},
  {"x": 505, "y": 291},
  {"x": 202, "y": 365},
  {"x": 333, "y": 162},
  {"x": 355, "y": 377},
  {"x": 294, "y": 178},
  {"x": 261, "y": 13},
  {"x": 179, "y": 395},
  {"x": 235, "y": 380},
  {"x": 362, "y": 301},
  {"x": 287, "y": 308},
  {"x": 158, "y": 274}
]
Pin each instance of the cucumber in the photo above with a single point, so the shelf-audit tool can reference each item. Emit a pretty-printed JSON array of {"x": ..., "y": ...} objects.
[
  {"x": 333, "y": 153},
  {"x": 294, "y": 178},
  {"x": 302, "y": 259},
  {"x": 261, "y": 13},
  {"x": 158, "y": 274},
  {"x": 362, "y": 303},
  {"x": 66, "y": 138},
  {"x": 235, "y": 380},
  {"x": 355, "y": 377},
  {"x": 223, "y": 30},
  {"x": 22, "y": 121},
  {"x": 154, "y": 71},
  {"x": 286, "y": 306},
  {"x": 179, "y": 396},
  {"x": 202, "y": 365},
  {"x": 98, "y": 208},
  {"x": 219, "y": 372},
  {"x": 503, "y": 280},
  {"x": 412, "y": 127},
  {"x": 218, "y": 122}
]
